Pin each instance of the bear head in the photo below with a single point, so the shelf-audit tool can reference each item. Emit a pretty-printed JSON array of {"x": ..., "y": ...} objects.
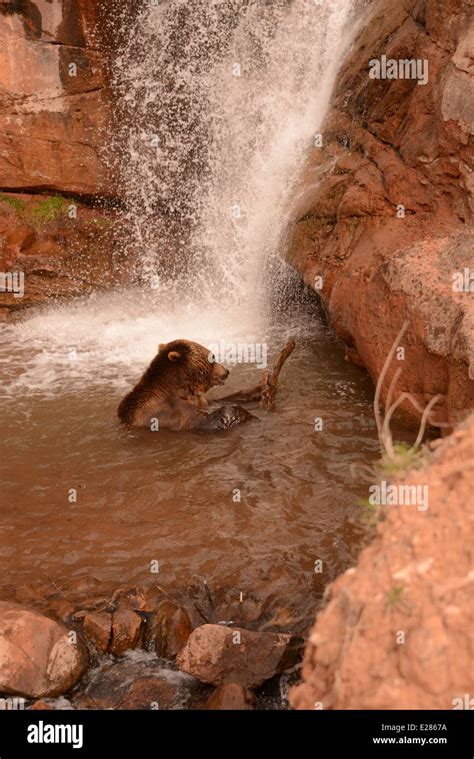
[{"x": 190, "y": 366}]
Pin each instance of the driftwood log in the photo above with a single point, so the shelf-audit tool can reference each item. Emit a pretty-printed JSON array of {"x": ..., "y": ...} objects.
[
  {"x": 267, "y": 398},
  {"x": 266, "y": 389}
]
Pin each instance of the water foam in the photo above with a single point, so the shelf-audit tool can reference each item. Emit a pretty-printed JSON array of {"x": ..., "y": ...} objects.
[{"x": 219, "y": 102}]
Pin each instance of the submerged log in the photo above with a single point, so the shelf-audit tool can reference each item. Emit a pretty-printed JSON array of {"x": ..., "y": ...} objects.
[{"x": 267, "y": 399}]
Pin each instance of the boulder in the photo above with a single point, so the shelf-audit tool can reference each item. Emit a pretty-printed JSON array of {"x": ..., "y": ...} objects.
[
  {"x": 168, "y": 630},
  {"x": 126, "y": 631},
  {"x": 138, "y": 681},
  {"x": 37, "y": 657},
  {"x": 97, "y": 628},
  {"x": 138, "y": 598},
  {"x": 217, "y": 654},
  {"x": 230, "y": 696}
]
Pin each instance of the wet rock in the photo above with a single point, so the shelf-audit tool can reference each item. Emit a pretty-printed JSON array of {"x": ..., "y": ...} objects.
[
  {"x": 138, "y": 598},
  {"x": 226, "y": 605},
  {"x": 97, "y": 628},
  {"x": 126, "y": 631},
  {"x": 230, "y": 696},
  {"x": 84, "y": 585},
  {"x": 60, "y": 608},
  {"x": 36, "y": 656},
  {"x": 168, "y": 630},
  {"x": 159, "y": 692},
  {"x": 140, "y": 680},
  {"x": 41, "y": 705},
  {"x": 217, "y": 654},
  {"x": 52, "y": 704},
  {"x": 56, "y": 136},
  {"x": 382, "y": 219}
]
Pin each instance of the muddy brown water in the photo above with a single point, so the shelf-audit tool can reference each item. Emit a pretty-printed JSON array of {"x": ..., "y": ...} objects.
[{"x": 251, "y": 509}]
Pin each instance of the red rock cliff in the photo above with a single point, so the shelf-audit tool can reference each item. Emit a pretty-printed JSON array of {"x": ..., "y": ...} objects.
[
  {"x": 383, "y": 213},
  {"x": 55, "y": 124},
  {"x": 53, "y": 104}
]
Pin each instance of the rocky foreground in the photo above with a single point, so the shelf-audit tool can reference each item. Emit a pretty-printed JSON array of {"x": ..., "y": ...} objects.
[
  {"x": 396, "y": 630},
  {"x": 140, "y": 649}
]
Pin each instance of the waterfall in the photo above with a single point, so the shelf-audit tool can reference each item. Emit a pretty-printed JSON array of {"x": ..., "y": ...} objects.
[
  {"x": 217, "y": 103},
  {"x": 220, "y": 101}
]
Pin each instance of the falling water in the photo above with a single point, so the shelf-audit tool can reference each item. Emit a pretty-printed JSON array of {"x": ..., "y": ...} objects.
[
  {"x": 220, "y": 103},
  {"x": 217, "y": 104}
]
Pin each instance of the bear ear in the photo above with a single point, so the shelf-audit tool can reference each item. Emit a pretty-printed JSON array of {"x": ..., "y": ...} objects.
[
  {"x": 174, "y": 355},
  {"x": 161, "y": 346}
]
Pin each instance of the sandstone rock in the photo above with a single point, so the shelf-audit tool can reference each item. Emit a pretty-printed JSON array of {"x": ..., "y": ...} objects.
[
  {"x": 392, "y": 146},
  {"x": 126, "y": 631},
  {"x": 97, "y": 628},
  {"x": 58, "y": 255},
  {"x": 230, "y": 696},
  {"x": 41, "y": 705},
  {"x": 153, "y": 693},
  {"x": 217, "y": 654},
  {"x": 138, "y": 598},
  {"x": 60, "y": 608},
  {"x": 36, "y": 656},
  {"x": 50, "y": 121},
  {"x": 138, "y": 681},
  {"x": 402, "y": 638},
  {"x": 168, "y": 630}
]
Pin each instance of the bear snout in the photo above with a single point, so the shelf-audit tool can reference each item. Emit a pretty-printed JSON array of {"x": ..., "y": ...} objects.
[{"x": 220, "y": 374}]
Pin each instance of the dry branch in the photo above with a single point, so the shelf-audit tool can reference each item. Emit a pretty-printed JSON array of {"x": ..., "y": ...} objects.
[{"x": 269, "y": 391}]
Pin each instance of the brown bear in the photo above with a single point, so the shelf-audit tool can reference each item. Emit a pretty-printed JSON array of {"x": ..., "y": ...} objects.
[{"x": 170, "y": 394}]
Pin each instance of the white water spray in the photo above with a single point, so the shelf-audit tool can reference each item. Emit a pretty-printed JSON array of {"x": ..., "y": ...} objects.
[{"x": 219, "y": 101}]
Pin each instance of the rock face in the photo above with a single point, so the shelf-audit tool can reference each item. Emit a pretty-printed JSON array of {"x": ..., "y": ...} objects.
[
  {"x": 382, "y": 219},
  {"x": 55, "y": 123},
  {"x": 56, "y": 255},
  {"x": 396, "y": 632},
  {"x": 53, "y": 103},
  {"x": 37, "y": 657},
  {"x": 217, "y": 654}
]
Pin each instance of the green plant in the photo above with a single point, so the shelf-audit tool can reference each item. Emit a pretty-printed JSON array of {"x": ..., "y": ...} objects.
[
  {"x": 101, "y": 223},
  {"x": 394, "y": 598},
  {"x": 370, "y": 514},
  {"x": 17, "y": 204},
  {"x": 39, "y": 212},
  {"x": 403, "y": 457},
  {"x": 48, "y": 209}
]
